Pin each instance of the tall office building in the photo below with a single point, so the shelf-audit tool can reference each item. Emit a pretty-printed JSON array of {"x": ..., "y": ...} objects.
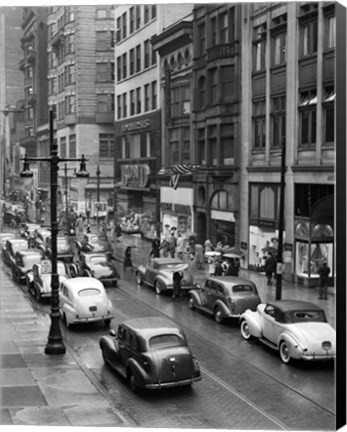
[{"x": 81, "y": 87}]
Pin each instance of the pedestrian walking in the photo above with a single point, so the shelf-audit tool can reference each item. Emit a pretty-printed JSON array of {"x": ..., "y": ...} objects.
[
  {"x": 127, "y": 258},
  {"x": 323, "y": 272},
  {"x": 177, "y": 291},
  {"x": 218, "y": 268},
  {"x": 232, "y": 269},
  {"x": 155, "y": 251},
  {"x": 208, "y": 246},
  {"x": 172, "y": 242},
  {"x": 199, "y": 257},
  {"x": 118, "y": 232},
  {"x": 270, "y": 267}
]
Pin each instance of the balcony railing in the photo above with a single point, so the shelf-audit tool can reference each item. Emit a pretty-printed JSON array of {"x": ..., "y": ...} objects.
[{"x": 223, "y": 51}]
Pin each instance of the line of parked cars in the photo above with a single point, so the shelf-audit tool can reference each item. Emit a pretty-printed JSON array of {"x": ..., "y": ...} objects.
[{"x": 153, "y": 352}]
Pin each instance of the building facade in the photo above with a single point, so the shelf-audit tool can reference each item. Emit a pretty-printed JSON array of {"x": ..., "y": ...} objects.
[
  {"x": 216, "y": 121},
  {"x": 81, "y": 88},
  {"x": 288, "y": 93},
  {"x": 175, "y": 48},
  {"x": 138, "y": 113},
  {"x": 11, "y": 94}
]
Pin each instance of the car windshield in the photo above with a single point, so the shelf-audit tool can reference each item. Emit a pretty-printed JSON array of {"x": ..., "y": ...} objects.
[
  {"x": 307, "y": 316},
  {"x": 163, "y": 341},
  {"x": 242, "y": 289},
  {"x": 89, "y": 292},
  {"x": 29, "y": 261}
]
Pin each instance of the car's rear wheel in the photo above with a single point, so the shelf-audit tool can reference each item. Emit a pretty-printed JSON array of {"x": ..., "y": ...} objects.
[
  {"x": 218, "y": 316},
  {"x": 132, "y": 382},
  {"x": 284, "y": 352},
  {"x": 246, "y": 334},
  {"x": 68, "y": 325},
  {"x": 107, "y": 322},
  {"x": 191, "y": 303},
  {"x": 139, "y": 280},
  {"x": 157, "y": 287}
]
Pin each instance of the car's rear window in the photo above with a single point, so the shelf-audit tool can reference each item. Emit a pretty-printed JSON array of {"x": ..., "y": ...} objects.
[
  {"x": 89, "y": 292},
  {"x": 242, "y": 289},
  {"x": 98, "y": 259},
  {"x": 165, "y": 340},
  {"x": 307, "y": 316},
  {"x": 29, "y": 261},
  {"x": 170, "y": 267}
]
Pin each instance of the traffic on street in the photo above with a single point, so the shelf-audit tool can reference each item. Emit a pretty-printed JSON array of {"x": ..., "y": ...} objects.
[{"x": 244, "y": 385}]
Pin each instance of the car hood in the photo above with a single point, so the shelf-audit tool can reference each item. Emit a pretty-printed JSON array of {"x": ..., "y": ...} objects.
[{"x": 314, "y": 333}]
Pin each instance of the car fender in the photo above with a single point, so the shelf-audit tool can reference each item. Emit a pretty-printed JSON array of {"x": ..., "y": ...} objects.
[
  {"x": 108, "y": 344},
  {"x": 197, "y": 297},
  {"x": 69, "y": 310},
  {"x": 253, "y": 322},
  {"x": 141, "y": 269},
  {"x": 295, "y": 349},
  {"x": 223, "y": 308},
  {"x": 163, "y": 281},
  {"x": 140, "y": 375}
]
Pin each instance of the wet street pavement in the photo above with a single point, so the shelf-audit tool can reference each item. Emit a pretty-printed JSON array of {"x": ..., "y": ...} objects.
[{"x": 244, "y": 385}]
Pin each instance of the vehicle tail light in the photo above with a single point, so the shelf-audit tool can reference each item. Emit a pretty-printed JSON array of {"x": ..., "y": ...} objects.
[{"x": 326, "y": 345}]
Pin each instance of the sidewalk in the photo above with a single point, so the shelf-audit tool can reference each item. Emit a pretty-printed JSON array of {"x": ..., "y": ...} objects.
[
  {"x": 40, "y": 389},
  {"x": 141, "y": 249}
]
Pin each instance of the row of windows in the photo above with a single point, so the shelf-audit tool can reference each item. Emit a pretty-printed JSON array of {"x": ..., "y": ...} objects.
[
  {"x": 219, "y": 30},
  {"x": 131, "y": 62},
  {"x": 307, "y": 109},
  {"x": 57, "y": 57},
  {"x": 132, "y": 20},
  {"x": 219, "y": 86},
  {"x": 67, "y": 146},
  {"x": 216, "y": 145},
  {"x": 141, "y": 99},
  {"x": 307, "y": 46}
]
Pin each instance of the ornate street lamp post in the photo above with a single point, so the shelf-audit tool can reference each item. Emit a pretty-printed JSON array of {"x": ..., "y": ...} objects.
[{"x": 55, "y": 344}]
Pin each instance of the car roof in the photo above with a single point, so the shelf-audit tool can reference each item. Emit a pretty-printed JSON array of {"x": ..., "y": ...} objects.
[
  {"x": 28, "y": 252},
  {"x": 79, "y": 283},
  {"x": 167, "y": 260},
  {"x": 152, "y": 326},
  {"x": 294, "y": 305},
  {"x": 17, "y": 240},
  {"x": 231, "y": 280}
]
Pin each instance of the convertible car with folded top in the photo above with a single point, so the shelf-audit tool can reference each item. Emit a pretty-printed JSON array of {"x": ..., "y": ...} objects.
[{"x": 297, "y": 329}]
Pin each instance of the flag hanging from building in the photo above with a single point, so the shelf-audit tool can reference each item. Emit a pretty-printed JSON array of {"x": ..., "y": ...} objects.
[{"x": 176, "y": 171}]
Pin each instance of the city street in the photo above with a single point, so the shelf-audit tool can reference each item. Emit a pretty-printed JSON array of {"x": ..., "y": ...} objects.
[{"x": 244, "y": 385}]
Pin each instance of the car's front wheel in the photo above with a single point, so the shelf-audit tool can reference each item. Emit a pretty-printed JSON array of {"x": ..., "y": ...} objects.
[
  {"x": 38, "y": 294},
  {"x": 218, "y": 316},
  {"x": 139, "y": 280},
  {"x": 157, "y": 287},
  {"x": 284, "y": 352},
  {"x": 246, "y": 334},
  {"x": 107, "y": 322}
]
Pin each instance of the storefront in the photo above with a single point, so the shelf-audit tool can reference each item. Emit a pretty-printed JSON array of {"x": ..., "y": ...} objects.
[
  {"x": 314, "y": 242},
  {"x": 137, "y": 161}
]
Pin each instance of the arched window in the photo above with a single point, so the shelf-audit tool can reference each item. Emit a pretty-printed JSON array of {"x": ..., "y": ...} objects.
[{"x": 222, "y": 200}]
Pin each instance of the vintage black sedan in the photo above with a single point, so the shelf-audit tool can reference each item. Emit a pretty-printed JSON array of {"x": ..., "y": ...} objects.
[
  {"x": 12, "y": 247},
  {"x": 24, "y": 262},
  {"x": 4, "y": 236},
  {"x": 151, "y": 352},
  {"x": 96, "y": 265},
  {"x": 65, "y": 250},
  {"x": 225, "y": 297},
  {"x": 39, "y": 280},
  {"x": 41, "y": 235},
  {"x": 95, "y": 243},
  {"x": 158, "y": 273}
]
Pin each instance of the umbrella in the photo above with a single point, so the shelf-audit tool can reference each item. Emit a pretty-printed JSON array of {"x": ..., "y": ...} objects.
[
  {"x": 231, "y": 255},
  {"x": 238, "y": 253},
  {"x": 212, "y": 253},
  {"x": 268, "y": 249}
]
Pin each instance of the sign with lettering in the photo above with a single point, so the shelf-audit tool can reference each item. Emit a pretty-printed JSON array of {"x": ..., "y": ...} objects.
[
  {"x": 136, "y": 175},
  {"x": 142, "y": 124},
  {"x": 46, "y": 267}
]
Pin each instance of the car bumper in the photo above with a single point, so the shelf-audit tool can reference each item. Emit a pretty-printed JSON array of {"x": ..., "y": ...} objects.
[
  {"x": 319, "y": 357},
  {"x": 92, "y": 319},
  {"x": 158, "y": 386},
  {"x": 111, "y": 281}
]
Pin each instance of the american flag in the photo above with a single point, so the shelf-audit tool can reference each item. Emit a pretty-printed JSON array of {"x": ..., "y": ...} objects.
[{"x": 176, "y": 171}]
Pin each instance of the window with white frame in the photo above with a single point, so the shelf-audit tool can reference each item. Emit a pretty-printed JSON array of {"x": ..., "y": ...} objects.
[
  {"x": 138, "y": 58},
  {"x": 279, "y": 49},
  {"x": 106, "y": 145},
  {"x": 258, "y": 119},
  {"x": 62, "y": 146},
  {"x": 72, "y": 146},
  {"x": 330, "y": 32},
  {"x": 174, "y": 145},
  {"x": 227, "y": 143},
  {"x": 132, "y": 20},
  {"x": 138, "y": 100},
  {"x": 309, "y": 38},
  {"x": 154, "y": 95},
  {"x": 124, "y": 25},
  {"x": 146, "y": 53},
  {"x": 308, "y": 117},
  {"x": 278, "y": 121},
  {"x": 125, "y": 110},
  {"x": 259, "y": 48},
  {"x": 132, "y": 61},
  {"x": 147, "y": 98},
  {"x": 132, "y": 102}
]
